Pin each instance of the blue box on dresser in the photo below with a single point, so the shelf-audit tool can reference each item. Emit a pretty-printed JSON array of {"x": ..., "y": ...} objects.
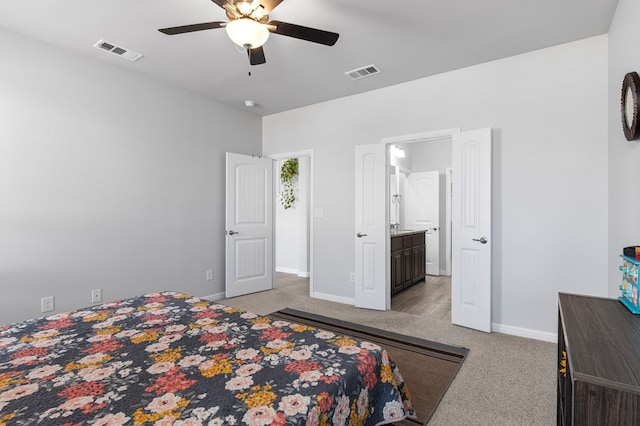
[{"x": 629, "y": 286}]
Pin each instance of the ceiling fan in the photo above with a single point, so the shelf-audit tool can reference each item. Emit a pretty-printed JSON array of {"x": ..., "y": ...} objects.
[{"x": 249, "y": 27}]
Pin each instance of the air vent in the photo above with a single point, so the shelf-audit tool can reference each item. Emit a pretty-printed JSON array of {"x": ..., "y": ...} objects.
[
  {"x": 118, "y": 51},
  {"x": 363, "y": 72}
]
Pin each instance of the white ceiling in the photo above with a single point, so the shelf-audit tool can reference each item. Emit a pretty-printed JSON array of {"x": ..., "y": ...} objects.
[{"x": 407, "y": 40}]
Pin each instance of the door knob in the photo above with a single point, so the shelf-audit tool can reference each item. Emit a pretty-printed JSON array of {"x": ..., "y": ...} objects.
[
  {"x": 482, "y": 240},
  {"x": 232, "y": 232},
  {"x": 360, "y": 235},
  {"x": 435, "y": 229}
]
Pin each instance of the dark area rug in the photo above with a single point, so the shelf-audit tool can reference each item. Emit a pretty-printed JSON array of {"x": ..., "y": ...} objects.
[{"x": 428, "y": 367}]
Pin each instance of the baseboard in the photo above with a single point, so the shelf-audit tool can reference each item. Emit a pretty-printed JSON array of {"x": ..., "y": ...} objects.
[
  {"x": 525, "y": 332},
  {"x": 212, "y": 297},
  {"x": 301, "y": 274},
  {"x": 333, "y": 298}
]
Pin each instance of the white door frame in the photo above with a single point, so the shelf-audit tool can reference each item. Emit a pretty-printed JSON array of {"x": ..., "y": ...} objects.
[
  {"x": 304, "y": 153},
  {"x": 448, "y": 182}
]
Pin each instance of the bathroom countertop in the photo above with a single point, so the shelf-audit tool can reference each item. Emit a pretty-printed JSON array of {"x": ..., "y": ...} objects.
[{"x": 402, "y": 232}]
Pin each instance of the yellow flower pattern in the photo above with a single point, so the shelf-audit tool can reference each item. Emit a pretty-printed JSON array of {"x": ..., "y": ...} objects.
[{"x": 170, "y": 358}]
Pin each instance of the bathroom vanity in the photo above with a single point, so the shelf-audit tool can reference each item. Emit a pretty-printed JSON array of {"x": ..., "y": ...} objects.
[{"x": 408, "y": 259}]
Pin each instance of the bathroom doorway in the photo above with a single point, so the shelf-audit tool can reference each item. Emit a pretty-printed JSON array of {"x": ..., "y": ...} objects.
[{"x": 420, "y": 181}]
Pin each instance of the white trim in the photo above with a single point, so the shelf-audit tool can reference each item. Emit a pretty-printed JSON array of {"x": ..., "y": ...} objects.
[
  {"x": 213, "y": 297},
  {"x": 420, "y": 137},
  {"x": 525, "y": 332},
  {"x": 286, "y": 270},
  {"x": 334, "y": 298},
  {"x": 304, "y": 153},
  {"x": 303, "y": 274}
]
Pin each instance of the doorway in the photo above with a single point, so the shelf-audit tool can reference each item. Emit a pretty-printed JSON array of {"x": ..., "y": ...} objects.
[
  {"x": 293, "y": 231},
  {"x": 415, "y": 168},
  {"x": 470, "y": 218}
]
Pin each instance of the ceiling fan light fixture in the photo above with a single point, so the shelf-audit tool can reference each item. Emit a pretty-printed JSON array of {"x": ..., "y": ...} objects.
[
  {"x": 247, "y": 33},
  {"x": 245, "y": 7}
]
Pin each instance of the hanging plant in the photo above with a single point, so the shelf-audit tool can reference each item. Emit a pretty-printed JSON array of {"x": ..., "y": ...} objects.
[{"x": 288, "y": 172}]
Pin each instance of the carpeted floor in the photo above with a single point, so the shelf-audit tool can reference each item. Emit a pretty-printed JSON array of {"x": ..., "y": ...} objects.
[
  {"x": 428, "y": 367},
  {"x": 504, "y": 381}
]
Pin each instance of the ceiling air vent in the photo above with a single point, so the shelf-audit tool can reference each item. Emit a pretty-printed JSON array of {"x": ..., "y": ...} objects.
[
  {"x": 118, "y": 51},
  {"x": 363, "y": 72}
]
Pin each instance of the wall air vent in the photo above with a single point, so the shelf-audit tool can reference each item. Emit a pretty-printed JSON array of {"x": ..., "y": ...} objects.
[
  {"x": 363, "y": 72},
  {"x": 118, "y": 51}
]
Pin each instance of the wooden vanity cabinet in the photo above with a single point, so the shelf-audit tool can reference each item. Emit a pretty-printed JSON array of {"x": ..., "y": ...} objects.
[{"x": 408, "y": 260}]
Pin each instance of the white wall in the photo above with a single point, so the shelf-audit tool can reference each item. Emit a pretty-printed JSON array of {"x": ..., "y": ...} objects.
[
  {"x": 548, "y": 111},
  {"x": 624, "y": 156},
  {"x": 292, "y": 224},
  {"x": 107, "y": 180}
]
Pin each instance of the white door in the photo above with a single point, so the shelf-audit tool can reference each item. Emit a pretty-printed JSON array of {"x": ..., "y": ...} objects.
[
  {"x": 372, "y": 254},
  {"x": 424, "y": 206},
  {"x": 249, "y": 225},
  {"x": 471, "y": 230}
]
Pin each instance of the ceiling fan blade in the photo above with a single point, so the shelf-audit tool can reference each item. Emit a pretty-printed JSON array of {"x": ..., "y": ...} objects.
[
  {"x": 193, "y": 27},
  {"x": 304, "y": 33},
  {"x": 256, "y": 56},
  {"x": 220, "y": 2},
  {"x": 269, "y": 5}
]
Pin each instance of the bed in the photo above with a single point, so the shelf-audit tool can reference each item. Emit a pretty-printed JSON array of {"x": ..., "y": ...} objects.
[{"x": 172, "y": 359}]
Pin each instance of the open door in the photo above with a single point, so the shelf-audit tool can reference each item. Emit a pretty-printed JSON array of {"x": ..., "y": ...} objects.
[
  {"x": 249, "y": 225},
  {"x": 372, "y": 254},
  {"x": 471, "y": 230},
  {"x": 424, "y": 213}
]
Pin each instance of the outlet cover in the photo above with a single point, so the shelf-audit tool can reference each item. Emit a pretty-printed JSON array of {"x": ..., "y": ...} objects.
[
  {"x": 47, "y": 304},
  {"x": 96, "y": 295},
  {"x": 209, "y": 274},
  {"x": 352, "y": 277}
]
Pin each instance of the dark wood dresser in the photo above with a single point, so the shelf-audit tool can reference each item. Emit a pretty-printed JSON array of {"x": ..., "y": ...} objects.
[{"x": 598, "y": 362}]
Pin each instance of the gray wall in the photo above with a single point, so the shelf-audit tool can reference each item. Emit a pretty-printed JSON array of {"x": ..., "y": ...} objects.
[
  {"x": 624, "y": 156},
  {"x": 548, "y": 112},
  {"x": 107, "y": 180}
]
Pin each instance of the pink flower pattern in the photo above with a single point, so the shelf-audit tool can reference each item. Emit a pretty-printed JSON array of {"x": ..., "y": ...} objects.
[{"x": 172, "y": 359}]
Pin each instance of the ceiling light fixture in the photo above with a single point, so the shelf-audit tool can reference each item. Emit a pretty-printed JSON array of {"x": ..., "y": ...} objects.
[{"x": 247, "y": 33}]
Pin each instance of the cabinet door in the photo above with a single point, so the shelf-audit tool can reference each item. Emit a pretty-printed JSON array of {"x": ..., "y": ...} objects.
[
  {"x": 419, "y": 263},
  {"x": 407, "y": 260},
  {"x": 397, "y": 278}
]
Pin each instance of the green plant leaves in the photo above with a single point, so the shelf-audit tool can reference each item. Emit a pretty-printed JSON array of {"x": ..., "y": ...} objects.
[{"x": 288, "y": 172}]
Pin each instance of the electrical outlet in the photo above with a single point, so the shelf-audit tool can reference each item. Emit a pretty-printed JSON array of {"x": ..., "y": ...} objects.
[
  {"x": 209, "y": 274},
  {"x": 96, "y": 295},
  {"x": 352, "y": 277},
  {"x": 47, "y": 304}
]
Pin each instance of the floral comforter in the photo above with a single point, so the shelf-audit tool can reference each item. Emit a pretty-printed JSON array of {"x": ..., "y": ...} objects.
[{"x": 172, "y": 359}]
